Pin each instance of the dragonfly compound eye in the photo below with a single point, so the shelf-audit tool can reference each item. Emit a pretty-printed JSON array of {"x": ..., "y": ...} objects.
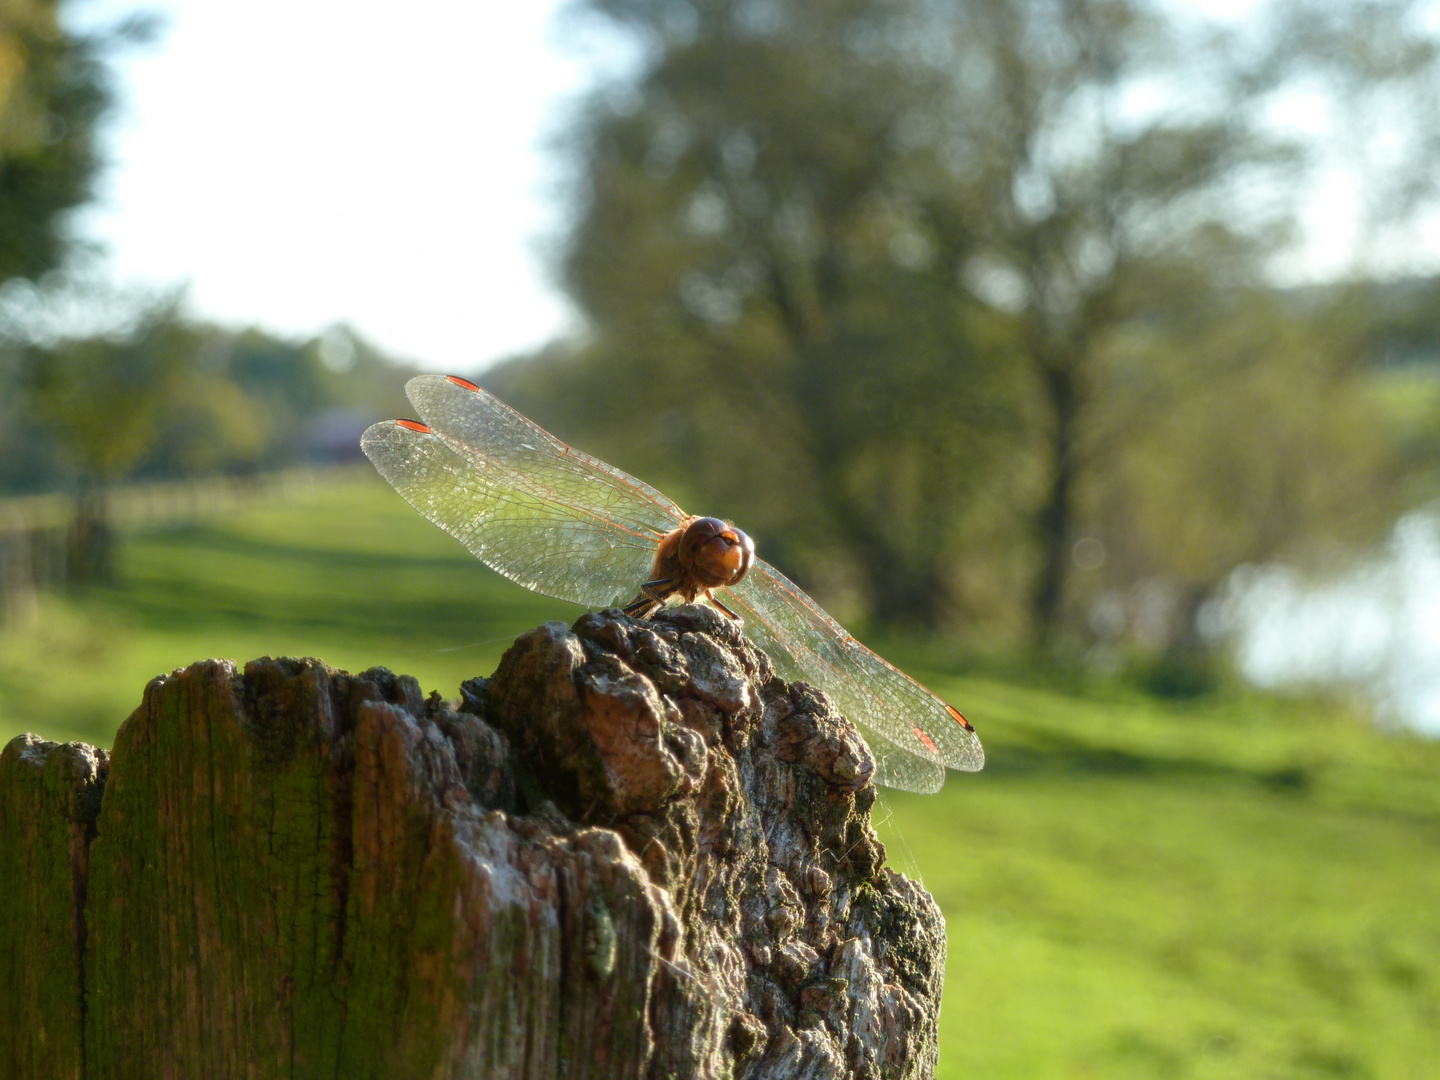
[{"x": 716, "y": 553}]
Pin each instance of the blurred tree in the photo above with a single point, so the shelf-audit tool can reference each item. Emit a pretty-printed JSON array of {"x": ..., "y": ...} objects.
[
  {"x": 105, "y": 401},
  {"x": 108, "y": 398},
  {"x": 893, "y": 253},
  {"x": 168, "y": 397},
  {"x": 1254, "y": 439},
  {"x": 52, "y": 93},
  {"x": 771, "y": 302}
]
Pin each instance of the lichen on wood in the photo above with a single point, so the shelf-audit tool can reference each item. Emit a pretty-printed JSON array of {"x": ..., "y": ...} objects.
[{"x": 632, "y": 852}]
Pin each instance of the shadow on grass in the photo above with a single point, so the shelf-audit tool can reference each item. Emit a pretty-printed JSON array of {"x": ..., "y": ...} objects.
[
  {"x": 1055, "y": 754},
  {"x": 196, "y": 579},
  {"x": 190, "y": 541}
]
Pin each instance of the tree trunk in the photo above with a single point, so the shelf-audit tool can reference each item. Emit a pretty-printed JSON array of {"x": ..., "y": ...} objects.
[
  {"x": 1056, "y": 512},
  {"x": 90, "y": 546},
  {"x": 633, "y": 852}
]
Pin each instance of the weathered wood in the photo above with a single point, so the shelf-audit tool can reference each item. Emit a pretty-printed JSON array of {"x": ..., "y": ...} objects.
[
  {"x": 49, "y": 798},
  {"x": 633, "y": 852}
]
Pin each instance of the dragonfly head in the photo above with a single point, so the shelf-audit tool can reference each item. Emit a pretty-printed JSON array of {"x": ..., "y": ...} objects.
[{"x": 716, "y": 552}]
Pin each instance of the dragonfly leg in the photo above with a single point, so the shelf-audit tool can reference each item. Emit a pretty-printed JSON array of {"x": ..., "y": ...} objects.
[
  {"x": 653, "y": 595},
  {"x": 726, "y": 610}
]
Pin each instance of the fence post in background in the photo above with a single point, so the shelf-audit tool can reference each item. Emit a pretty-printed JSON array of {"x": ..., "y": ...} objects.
[
  {"x": 32, "y": 557},
  {"x": 17, "y": 582}
]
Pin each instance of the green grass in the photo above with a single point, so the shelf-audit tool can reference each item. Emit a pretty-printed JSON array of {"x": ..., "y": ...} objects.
[
  {"x": 347, "y": 573},
  {"x": 1238, "y": 886}
]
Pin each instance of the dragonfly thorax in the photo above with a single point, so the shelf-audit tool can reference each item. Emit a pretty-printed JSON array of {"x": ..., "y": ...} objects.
[{"x": 704, "y": 553}]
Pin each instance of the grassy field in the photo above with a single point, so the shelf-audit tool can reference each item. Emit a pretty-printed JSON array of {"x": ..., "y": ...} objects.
[{"x": 1232, "y": 887}]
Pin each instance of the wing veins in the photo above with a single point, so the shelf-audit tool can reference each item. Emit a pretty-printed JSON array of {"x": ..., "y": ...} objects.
[
  {"x": 799, "y": 651},
  {"x": 543, "y": 496}
]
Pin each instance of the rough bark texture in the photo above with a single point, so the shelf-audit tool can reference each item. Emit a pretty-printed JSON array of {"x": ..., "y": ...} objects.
[{"x": 633, "y": 852}]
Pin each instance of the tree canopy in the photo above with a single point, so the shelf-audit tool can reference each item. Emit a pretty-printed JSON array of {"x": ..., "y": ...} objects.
[
  {"x": 966, "y": 308},
  {"x": 168, "y": 397},
  {"x": 53, "y": 91}
]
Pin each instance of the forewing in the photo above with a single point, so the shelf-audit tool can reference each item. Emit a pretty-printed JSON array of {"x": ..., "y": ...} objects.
[
  {"x": 913, "y": 734},
  {"x": 543, "y": 514}
]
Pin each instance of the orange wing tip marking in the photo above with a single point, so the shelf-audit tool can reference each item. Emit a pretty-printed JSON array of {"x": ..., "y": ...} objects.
[
  {"x": 414, "y": 425},
  {"x": 955, "y": 715},
  {"x": 466, "y": 383},
  {"x": 929, "y": 742}
]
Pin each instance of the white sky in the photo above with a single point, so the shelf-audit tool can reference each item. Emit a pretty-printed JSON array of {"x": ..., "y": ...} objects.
[{"x": 304, "y": 163}]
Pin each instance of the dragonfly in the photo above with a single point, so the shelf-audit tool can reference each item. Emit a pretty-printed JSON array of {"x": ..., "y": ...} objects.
[{"x": 567, "y": 525}]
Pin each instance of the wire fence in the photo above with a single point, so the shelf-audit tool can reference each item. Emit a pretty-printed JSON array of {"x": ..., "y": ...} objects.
[{"x": 46, "y": 541}]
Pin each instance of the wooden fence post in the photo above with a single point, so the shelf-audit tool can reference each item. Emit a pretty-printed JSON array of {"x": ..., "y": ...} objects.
[
  {"x": 632, "y": 852},
  {"x": 49, "y": 800}
]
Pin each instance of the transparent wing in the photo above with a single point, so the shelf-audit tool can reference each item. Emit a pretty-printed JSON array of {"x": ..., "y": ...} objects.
[
  {"x": 570, "y": 526},
  {"x": 543, "y": 514},
  {"x": 912, "y": 733}
]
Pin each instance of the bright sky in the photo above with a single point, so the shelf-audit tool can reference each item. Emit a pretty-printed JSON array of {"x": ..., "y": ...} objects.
[{"x": 302, "y": 164}]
